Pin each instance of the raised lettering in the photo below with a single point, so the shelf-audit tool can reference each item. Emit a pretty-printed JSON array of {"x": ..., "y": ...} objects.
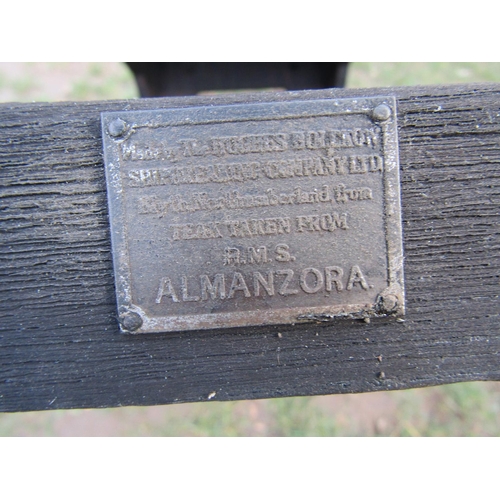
[
  {"x": 238, "y": 284},
  {"x": 324, "y": 222},
  {"x": 343, "y": 194},
  {"x": 207, "y": 287},
  {"x": 333, "y": 274},
  {"x": 166, "y": 289},
  {"x": 268, "y": 284},
  {"x": 257, "y": 255},
  {"x": 315, "y": 140},
  {"x": 356, "y": 276},
  {"x": 255, "y": 227},
  {"x": 195, "y": 231},
  {"x": 283, "y": 290},
  {"x": 231, "y": 256},
  {"x": 297, "y": 140},
  {"x": 318, "y": 276},
  {"x": 283, "y": 253},
  {"x": 185, "y": 295}
]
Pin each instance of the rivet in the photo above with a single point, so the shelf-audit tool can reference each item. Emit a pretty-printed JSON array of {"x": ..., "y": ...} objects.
[
  {"x": 382, "y": 112},
  {"x": 117, "y": 127},
  {"x": 387, "y": 303},
  {"x": 131, "y": 321}
]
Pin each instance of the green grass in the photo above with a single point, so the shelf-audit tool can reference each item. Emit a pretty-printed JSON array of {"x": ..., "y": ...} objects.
[
  {"x": 23, "y": 82},
  {"x": 300, "y": 417},
  {"x": 400, "y": 74},
  {"x": 96, "y": 87},
  {"x": 466, "y": 409},
  {"x": 206, "y": 420}
]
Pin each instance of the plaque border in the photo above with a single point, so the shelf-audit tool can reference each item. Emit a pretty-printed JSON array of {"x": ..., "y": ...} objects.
[{"x": 133, "y": 319}]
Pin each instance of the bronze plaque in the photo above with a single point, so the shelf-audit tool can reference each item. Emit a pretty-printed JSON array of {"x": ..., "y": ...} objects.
[{"x": 254, "y": 214}]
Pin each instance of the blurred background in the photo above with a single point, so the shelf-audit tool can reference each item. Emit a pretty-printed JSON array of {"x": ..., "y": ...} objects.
[{"x": 466, "y": 409}]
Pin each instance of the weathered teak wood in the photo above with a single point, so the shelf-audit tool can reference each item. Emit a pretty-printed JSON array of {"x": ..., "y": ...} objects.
[{"x": 59, "y": 341}]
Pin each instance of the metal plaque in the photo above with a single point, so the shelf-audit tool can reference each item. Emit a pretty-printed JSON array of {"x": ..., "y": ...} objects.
[{"x": 254, "y": 214}]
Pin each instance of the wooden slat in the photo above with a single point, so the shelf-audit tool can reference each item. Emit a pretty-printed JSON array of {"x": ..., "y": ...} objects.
[{"x": 59, "y": 342}]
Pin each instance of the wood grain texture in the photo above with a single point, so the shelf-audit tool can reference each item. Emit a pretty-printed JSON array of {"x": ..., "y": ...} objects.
[{"x": 59, "y": 342}]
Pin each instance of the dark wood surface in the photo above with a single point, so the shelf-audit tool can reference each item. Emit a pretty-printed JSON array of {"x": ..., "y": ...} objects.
[{"x": 59, "y": 341}]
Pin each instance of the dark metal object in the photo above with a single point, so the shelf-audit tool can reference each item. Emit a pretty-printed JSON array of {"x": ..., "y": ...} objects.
[
  {"x": 130, "y": 321},
  {"x": 117, "y": 128},
  {"x": 382, "y": 112},
  {"x": 255, "y": 214},
  {"x": 157, "y": 79}
]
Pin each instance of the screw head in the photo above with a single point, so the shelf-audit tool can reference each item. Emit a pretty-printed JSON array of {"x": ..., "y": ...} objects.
[
  {"x": 387, "y": 303},
  {"x": 382, "y": 112},
  {"x": 117, "y": 127},
  {"x": 131, "y": 321}
]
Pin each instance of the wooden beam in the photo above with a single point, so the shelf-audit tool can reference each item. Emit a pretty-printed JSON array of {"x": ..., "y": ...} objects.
[{"x": 59, "y": 341}]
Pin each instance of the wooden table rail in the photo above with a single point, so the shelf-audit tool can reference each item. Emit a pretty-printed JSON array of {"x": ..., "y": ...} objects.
[{"x": 60, "y": 346}]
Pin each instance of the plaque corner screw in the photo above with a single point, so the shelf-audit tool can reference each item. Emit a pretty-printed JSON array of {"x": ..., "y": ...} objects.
[
  {"x": 117, "y": 127},
  {"x": 387, "y": 303},
  {"x": 382, "y": 112},
  {"x": 130, "y": 321}
]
